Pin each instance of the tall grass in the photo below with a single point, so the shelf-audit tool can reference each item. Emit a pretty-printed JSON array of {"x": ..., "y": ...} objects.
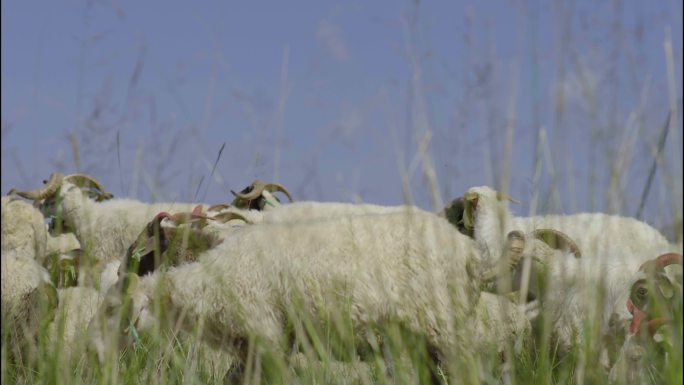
[{"x": 327, "y": 354}]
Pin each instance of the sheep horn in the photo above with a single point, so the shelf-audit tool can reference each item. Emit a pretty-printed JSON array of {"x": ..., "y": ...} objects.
[
  {"x": 230, "y": 215},
  {"x": 46, "y": 191},
  {"x": 185, "y": 217},
  {"x": 83, "y": 180},
  {"x": 103, "y": 196},
  {"x": 251, "y": 192},
  {"x": 661, "y": 262},
  {"x": 668, "y": 259},
  {"x": 218, "y": 207},
  {"x": 557, "y": 240},
  {"x": 515, "y": 244},
  {"x": 273, "y": 187}
]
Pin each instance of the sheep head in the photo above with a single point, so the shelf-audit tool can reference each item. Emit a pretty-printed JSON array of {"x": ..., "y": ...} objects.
[
  {"x": 143, "y": 256},
  {"x": 464, "y": 209},
  {"x": 654, "y": 301},
  {"x": 482, "y": 215},
  {"x": 257, "y": 196},
  {"x": 168, "y": 239},
  {"x": 49, "y": 197},
  {"x": 653, "y": 295}
]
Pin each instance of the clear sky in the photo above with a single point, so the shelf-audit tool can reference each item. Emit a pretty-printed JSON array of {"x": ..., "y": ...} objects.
[{"x": 346, "y": 100}]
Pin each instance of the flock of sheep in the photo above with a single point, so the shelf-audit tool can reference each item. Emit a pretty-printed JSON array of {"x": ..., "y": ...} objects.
[{"x": 471, "y": 279}]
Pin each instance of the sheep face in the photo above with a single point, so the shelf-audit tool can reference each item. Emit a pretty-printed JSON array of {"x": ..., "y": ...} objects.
[
  {"x": 480, "y": 214},
  {"x": 60, "y": 206},
  {"x": 653, "y": 301},
  {"x": 257, "y": 196},
  {"x": 168, "y": 240},
  {"x": 70, "y": 191}
]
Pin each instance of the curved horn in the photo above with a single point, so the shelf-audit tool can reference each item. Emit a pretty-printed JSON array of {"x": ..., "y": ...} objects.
[
  {"x": 185, "y": 217},
  {"x": 557, "y": 240},
  {"x": 515, "y": 244},
  {"x": 82, "y": 180},
  {"x": 161, "y": 216},
  {"x": 46, "y": 191},
  {"x": 103, "y": 196},
  {"x": 227, "y": 216},
  {"x": 661, "y": 262},
  {"x": 252, "y": 191},
  {"x": 218, "y": 207},
  {"x": 668, "y": 259},
  {"x": 273, "y": 187}
]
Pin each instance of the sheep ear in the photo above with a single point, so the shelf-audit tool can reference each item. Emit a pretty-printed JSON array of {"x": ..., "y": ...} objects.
[{"x": 197, "y": 210}]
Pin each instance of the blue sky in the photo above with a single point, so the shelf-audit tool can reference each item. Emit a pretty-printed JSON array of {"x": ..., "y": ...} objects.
[{"x": 333, "y": 99}]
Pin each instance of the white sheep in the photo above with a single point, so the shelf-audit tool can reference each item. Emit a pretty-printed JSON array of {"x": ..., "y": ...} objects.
[
  {"x": 499, "y": 321},
  {"x": 413, "y": 268},
  {"x": 28, "y": 301},
  {"x": 208, "y": 228},
  {"x": 485, "y": 215},
  {"x": 28, "y": 294},
  {"x": 23, "y": 229},
  {"x": 581, "y": 292},
  {"x": 104, "y": 228},
  {"x": 77, "y": 305}
]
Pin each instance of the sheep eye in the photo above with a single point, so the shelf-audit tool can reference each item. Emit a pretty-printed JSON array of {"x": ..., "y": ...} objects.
[{"x": 642, "y": 292}]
